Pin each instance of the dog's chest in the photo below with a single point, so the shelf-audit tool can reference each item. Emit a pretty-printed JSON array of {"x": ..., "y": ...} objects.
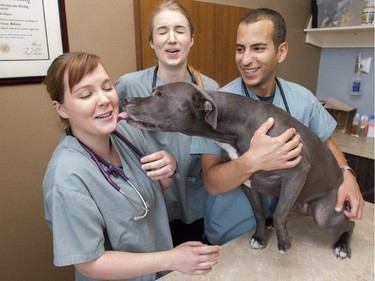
[{"x": 233, "y": 154}]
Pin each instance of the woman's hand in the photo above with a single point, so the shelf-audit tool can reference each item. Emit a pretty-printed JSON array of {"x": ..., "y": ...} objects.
[
  {"x": 191, "y": 258},
  {"x": 195, "y": 258},
  {"x": 159, "y": 165}
]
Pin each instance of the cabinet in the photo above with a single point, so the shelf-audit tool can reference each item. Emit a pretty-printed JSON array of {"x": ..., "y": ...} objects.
[
  {"x": 361, "y": 36},
  {"x": 359, "y": 153},
  {"x": 364, "y": 169}
]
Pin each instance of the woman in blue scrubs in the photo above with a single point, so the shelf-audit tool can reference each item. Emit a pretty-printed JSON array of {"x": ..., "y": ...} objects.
[
  {"x": 103, "y": 198},
  {"x": 171, "y": 35}
]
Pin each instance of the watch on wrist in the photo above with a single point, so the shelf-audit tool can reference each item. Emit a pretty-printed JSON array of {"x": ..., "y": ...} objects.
[{"x": 347, "y": 168}]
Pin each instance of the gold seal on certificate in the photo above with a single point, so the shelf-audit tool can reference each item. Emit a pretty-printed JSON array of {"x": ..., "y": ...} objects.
[{"x": 4, "y": 48}]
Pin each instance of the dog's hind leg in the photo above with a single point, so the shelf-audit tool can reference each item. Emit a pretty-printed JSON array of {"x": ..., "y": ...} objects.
[
  {"x": 341, "y": 248},
  {"x": 335, "y": 224}
]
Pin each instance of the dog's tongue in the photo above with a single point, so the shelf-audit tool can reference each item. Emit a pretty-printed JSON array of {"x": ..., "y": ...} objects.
[{"x": 122, "y": 116}]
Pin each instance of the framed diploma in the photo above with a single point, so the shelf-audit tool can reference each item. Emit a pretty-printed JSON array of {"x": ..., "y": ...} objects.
[{"x": 32, "y": 34}]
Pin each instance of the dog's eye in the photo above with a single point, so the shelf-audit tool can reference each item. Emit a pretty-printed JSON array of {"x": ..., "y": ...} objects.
[{"x": 159, "y": 94}]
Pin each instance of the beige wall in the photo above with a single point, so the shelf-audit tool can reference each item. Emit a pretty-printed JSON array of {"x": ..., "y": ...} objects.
[
  {"x": 30, "y": 131},
  {"x": 30, "y": 128}
]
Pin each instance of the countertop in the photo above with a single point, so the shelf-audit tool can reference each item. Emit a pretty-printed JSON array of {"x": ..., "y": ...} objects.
[
  {"x": 358, "y": 146},
  {"x": 310, "y": 257}
]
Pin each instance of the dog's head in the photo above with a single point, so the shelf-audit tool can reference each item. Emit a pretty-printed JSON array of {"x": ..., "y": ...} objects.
[{"x": 173, "y": 107}]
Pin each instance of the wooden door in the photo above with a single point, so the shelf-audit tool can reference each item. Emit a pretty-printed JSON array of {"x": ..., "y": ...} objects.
[{"x": 215, "y": 37}]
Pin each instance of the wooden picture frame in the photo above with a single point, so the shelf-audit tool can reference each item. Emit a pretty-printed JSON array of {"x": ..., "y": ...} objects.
[{"x": 33, "y": 33}]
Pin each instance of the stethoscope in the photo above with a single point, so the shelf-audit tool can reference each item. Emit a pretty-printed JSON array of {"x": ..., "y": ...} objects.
[
  {"x": 281, "y": 92},
  {"x": 153, "y": 85},
  {"x": 112, "y": 170}
]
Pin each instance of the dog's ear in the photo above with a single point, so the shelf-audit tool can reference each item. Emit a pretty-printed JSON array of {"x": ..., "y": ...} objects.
[
  {"x": 211, "y": 113},
  {"x": 204, "y": 103}
]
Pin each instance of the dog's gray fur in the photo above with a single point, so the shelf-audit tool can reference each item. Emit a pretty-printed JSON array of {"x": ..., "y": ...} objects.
[{"x": 231, "y": 121}]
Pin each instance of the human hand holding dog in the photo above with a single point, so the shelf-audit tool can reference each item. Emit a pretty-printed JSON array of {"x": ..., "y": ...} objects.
[
  {"x": 161, "y": 166},
  {"x": 350, "y": 198},
  {"x": 265, "y": 153},
  {"x": 272, "y": 153},
  {"x": 194, "y": 258}
]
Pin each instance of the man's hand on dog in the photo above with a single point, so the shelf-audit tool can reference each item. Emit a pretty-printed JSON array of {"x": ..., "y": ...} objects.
[
  {"x": 350, "y": 198},
  {"x": 268, "y": 153}
]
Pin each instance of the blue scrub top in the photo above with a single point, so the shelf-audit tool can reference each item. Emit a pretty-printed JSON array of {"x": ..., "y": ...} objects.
[{"x": 88, "y": 216}]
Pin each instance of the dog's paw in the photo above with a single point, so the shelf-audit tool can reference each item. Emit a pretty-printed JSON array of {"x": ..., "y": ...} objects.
[
  {"x": 256, "y": 243},
  {"x": 284, "y": 247},
  {"x": 342, "y": 251},
  {"x": 341, "y": 248}
]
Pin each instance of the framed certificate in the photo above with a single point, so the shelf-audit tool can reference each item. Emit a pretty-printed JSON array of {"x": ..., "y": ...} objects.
[{"x": 32, "y": 34}]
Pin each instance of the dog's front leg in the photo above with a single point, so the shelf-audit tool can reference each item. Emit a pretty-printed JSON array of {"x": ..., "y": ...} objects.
[
  {"x": 290, "y": 189},
  {"x": 259, "y": 238}
]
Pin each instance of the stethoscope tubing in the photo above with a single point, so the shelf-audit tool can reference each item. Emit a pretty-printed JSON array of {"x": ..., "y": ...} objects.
[
  {"x": 155, "y": 76},
  {"x": 99, "y": 161},
  {"x": 281, "y": 92}
]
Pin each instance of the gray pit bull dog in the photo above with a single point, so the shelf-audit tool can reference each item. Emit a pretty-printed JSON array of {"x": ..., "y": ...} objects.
[{"x": 183, "y": 107}]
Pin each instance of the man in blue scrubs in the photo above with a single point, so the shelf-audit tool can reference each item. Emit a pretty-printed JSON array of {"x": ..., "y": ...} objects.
[{"x": 260, "y": 47}]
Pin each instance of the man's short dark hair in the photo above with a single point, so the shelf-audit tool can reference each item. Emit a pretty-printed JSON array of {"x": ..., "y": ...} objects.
[{"x": 279, "y": 25}]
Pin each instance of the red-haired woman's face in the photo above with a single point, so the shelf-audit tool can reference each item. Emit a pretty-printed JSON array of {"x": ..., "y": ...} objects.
[{"x": 92, "y": 106}]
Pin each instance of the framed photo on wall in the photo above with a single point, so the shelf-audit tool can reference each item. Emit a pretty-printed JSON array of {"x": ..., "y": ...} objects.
[{"x": 32, "y": 34}]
